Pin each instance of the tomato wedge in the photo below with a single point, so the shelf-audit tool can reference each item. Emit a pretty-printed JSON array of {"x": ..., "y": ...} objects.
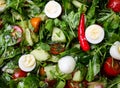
[
  {"x": 56, "y": 48},
  {"x": 18, "y": 73}
]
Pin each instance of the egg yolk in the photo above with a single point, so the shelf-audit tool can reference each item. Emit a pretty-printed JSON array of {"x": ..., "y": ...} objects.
[
  {"x": 119, "y": 49},
  {"x": 94, "y": 33},
  {"x": 28, "y": 61},
  {"x": 52, "y": 8}
]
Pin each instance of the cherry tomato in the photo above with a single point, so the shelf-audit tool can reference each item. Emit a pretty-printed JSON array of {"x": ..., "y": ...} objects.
[
  {"x": 111, "y": 67},
  {"x": 17, "y": 33},
  {"x": 114, "y": 5},
  {"x": 18, "y": 73},
  {"x": 35, "y": 22},
  {"x": 56, "y": 48}
]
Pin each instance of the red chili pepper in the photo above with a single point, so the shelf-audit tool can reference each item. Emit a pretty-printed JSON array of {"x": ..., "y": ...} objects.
[{"x": 81, "y": 34}]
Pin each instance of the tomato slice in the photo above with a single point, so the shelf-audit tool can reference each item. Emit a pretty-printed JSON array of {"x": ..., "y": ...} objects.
[
  {"x": 56, "y": 48},
  {"x": 18, "y": 73},
  {"x": 17, "y": 33},
  {"x": 111, "y": 67}
]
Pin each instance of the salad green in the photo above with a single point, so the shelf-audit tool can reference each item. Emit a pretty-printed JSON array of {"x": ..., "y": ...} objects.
[{"x": 55, "y": 39}]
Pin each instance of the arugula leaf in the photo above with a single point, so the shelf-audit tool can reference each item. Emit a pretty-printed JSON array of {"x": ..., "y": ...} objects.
[
  {"x": 93, "y": 68},
  {"x": 29, "y": 82}
]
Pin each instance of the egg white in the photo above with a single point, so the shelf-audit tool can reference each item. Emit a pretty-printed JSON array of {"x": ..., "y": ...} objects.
[
  {"x": 115, "y": 50},
  {"x": 66, "y": 64},
  {"x": 53, "y": 9},
  {"x": 22, "y": 61},
  {"x": 94, "y": 34}
]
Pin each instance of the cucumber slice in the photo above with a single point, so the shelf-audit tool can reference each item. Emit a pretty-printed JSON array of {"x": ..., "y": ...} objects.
[
  {"x": 58, "y": 35},
  {"x": 28, "y": 37}
]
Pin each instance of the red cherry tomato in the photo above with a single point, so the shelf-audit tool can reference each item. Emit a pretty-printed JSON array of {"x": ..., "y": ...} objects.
[
  {"x": 18, "y": 73},
  {"x": 111, "y": 67},
  {"x": 17, "y": 33},
  {"x": 114, "y": 5}
]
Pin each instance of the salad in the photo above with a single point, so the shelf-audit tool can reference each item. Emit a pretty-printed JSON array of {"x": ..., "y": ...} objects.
[{"x": 59, "y": 44}]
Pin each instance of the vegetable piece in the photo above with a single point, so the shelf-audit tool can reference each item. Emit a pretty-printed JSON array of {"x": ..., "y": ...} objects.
[
  {"x": 94, "y": 34},
  {"x": 60, "y": 84},
  {"x": 27, "y": 62},
  {"x": 49, "y": 70},
  {"x": 76, "y": 76},
  {"x": 111, "y": 67},
  {"x": 51, "y": 83},
  {"x": 115, "y": 50},
  {"x": 79, "y": 5},
  {"x": 1, "y": 23},
  {"x": 114, "y": 5},
  {"x": 41, "y": 71},
  {"x": 28, "y": 37},
  {"x": 56, "y": 48},
  {"x": 58, "y": 35},
  {"x": 29, "y": 82},
  {"x": 2, "y": 5},
  {"x": 53, "y": 9},
  {"x": 66, "y": 64},
  {"x": 17, "y": 33},
  {"x": 40, "y": 54},
  {"x": 35, "y": 22},
  {"x": 72, "y": 84},
  {"x": 95, "y": 85},
  {"x": 81, "y": 34},
  {"x": 18, "y": 73}
]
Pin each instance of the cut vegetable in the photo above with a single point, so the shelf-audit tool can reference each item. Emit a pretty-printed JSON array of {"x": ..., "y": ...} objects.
[
  {"x": 94, "y": 34},
  {"x": 48, "y": 70},
  {"x": 66, "y": 64},
  {"x": 58, "y": 35},
  {"x": 28, "y": 37},
  {"x": 27, "y": 62},
  {"x": 40, "y": 54},
  {"x": 115, "y": 50},
  {"x": 53, "y": 9},
  {"x": 2, "y": 5},
  {"x": 18, "y": 73},
  {"x": 35, "y": 22}
]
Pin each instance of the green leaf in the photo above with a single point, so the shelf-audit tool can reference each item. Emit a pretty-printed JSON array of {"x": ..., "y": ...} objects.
[
  {"x": 90, "y": 73},
  {"x": 49, "y": 25},
  {"x": 45, "y": 46},
  {"x": 29, "y": 82}
]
